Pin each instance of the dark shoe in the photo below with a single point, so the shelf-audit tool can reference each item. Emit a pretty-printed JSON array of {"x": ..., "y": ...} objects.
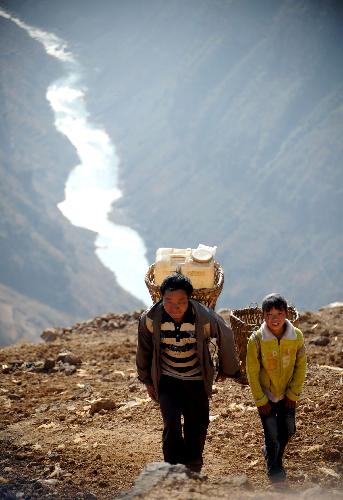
[
  {"x": 194, "y": 467},
  {"x": 277, "y": 475}
]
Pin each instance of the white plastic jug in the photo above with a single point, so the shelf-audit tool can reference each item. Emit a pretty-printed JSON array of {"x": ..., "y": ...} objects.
[{"x": 196, "y": 264}]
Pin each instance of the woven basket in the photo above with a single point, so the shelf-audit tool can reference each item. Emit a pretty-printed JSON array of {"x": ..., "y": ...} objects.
[
  {"x": 245, "y": 321},
  {"x": 207, "y": 296}
]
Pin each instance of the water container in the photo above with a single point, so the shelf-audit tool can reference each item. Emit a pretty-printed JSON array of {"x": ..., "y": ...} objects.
[
  {"x": 169, "y": 260},
  {"x": 197, "y": 265}
]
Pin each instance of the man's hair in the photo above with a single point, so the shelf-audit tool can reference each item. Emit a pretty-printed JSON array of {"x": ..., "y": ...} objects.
[
  {"x": 274, "y": 300},
  {"x": 177, "y": 281}
]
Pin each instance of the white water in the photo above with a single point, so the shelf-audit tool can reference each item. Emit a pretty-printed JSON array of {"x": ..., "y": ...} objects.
[{"x": 92, "y": 186}]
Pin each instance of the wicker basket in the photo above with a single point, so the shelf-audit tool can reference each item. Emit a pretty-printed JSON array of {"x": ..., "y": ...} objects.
[
  {"x": 245, "y": 321},
  {"x": 207, "y": 296}
]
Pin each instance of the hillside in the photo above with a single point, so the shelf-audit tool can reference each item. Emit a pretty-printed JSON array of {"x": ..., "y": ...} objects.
[
  {"x": 227, "y": 117},
  {"x": 235, "y": 108},
  {"x": 76, "y": 423},
  {"x": 44, "y": 261}
]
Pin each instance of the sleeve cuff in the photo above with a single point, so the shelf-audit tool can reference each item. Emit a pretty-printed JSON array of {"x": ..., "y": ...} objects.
[
  {"x": 291, "y": 395},
  {"x": 261, "y": 402}
]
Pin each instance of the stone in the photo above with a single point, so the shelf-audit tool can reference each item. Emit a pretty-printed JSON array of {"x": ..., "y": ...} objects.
[
  {"x": 51, "y": 334},
  {"x": 159, "y": 473},
  {"x": 239, "y": 480},
  {"x": 69, "y": 358},
  {"x": 332, "y": 454},
  {"x": 69, "y": 369},
  {"x": 49, "y": 482},
  {"x": 89, "y": 496},
  {"x": 48, "y": 364},
  {"x": 102, "y": 404},
  {"x": 14, "y": 397},
  {"x": 321, "y": 341}
]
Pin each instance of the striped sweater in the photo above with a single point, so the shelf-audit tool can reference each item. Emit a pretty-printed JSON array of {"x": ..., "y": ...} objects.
[{"x": 178, "y": 352}]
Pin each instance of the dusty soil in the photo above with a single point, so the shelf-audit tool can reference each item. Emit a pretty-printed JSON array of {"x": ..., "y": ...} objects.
[{"x": 80, "y": 425}]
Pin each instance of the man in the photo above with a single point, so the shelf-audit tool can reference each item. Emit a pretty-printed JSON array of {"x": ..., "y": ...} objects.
[{"x": 174, "y": 362}]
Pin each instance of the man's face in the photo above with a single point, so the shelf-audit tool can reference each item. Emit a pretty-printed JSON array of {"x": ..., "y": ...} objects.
[
  {"x": 275, "y": 320},
  {"x": 175, "y": 303}
]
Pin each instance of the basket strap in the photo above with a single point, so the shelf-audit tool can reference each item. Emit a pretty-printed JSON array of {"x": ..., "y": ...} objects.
[{"x": 258, "y": 345}]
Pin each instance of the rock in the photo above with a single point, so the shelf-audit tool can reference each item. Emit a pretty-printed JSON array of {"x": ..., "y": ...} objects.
[
  {"x": 51, "y": 334},
  {"x": 89, "y": 496},
  {"x": 225, "y": 413},
  {"x": 136, "y": 315},
  {"x": 103, "y": 484},
  {"x": 113, "y": 324},
  {"x": 49, "y": 364},
  {"x": 57, "y": 472},
  {"x": 14, "y": 397},
  {"x": 224, "y": 434},
  {"x": 322, "y": 341},
  {"x": 69, "y": 358},
  {"x": 157, "y": 473},
  {"x": 329, "y": 472},
  {"x": 239, "y": 480},
  {"x": 332, "y": 454},
  {"x": 42, "y": 408},
  {"x": 48, "y": 482},
  {"x": 102, "y": 404},
  {"x": 69, "y": 369},
  {"x": 331, "y": 306},
  {"x": 311, "y": 493}
]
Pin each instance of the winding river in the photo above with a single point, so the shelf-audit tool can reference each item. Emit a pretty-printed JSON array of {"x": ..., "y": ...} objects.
[{"x": 92, "y": 186}]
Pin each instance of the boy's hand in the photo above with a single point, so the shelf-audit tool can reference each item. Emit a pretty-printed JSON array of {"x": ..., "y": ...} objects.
[
  {"x": 289, "y": 403},
  {"x": 151, "y": 392},
  {"x": 265, "y": 409}
]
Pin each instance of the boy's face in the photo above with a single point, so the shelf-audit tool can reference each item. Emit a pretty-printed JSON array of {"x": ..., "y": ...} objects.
[{"x": 275, "y": 320}]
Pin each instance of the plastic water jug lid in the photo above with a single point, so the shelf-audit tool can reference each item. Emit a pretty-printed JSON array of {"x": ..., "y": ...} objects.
[{"x": 201, "y": 255}]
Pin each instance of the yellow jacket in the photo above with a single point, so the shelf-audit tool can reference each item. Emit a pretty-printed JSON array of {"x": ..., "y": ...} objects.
[{"x": 276, "y": 367}]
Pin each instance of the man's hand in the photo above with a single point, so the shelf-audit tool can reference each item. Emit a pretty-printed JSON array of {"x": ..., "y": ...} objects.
[
  {"x": 289, "y": 403},
  {"x": 264, "y": 410},
  {"x": 151, "y": 392}
]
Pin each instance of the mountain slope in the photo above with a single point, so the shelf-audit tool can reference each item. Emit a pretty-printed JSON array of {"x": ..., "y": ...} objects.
[
  {"x": 227, "y": 117},
  {"x": 42, "y": 256},
  {"x": 87, "y": 430}
]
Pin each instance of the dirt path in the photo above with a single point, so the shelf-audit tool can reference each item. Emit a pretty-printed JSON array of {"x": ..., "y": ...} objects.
[{"x": 57, "y": 443}]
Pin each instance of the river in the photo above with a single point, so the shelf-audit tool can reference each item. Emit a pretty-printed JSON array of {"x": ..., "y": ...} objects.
[{"x": 91, "y": 189}]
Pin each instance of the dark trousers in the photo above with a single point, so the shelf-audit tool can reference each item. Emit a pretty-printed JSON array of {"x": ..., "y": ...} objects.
[
  {"x": 279, "y": 427},
  {"x": 185, "y": 398}
]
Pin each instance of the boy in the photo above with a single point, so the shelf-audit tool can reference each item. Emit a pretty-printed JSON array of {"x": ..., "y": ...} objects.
[
  {"x": 276, "y": 365},
  {"x": 175, "y": 364}
]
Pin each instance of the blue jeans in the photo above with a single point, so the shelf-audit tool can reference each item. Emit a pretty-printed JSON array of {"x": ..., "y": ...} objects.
[{"x": 279, "y": 427}]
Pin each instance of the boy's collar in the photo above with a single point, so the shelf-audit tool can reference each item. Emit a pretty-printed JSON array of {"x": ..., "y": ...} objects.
[{"x": 288, "y": 334}]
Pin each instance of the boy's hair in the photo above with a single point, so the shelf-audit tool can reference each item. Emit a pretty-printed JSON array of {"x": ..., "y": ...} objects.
[
  {"x": 274, "y": 300},
  {"x": 176, "y": 281}
]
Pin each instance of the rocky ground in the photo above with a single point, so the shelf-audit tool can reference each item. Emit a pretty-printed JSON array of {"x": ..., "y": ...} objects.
[{"x": 76, "y": 424}]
